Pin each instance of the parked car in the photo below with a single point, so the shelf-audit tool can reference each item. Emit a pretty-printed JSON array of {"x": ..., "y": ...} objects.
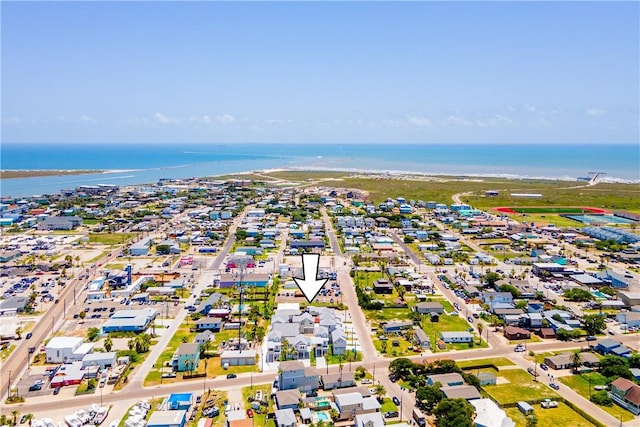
[
  {"x": 391, "y": 414},
  {"x": 554, "y": 386},
  {"x": 544, "y": 367},
  {"x": 395, "y": 400},
  {"x": 29, "y": 335},
  {"x": 229, "y": 376},
  {"x": 35, "y": 387},
  {"x": 366, "y": 381},
  {"x": 56, "y": 390},
  {"x": 249, "y": 413},
  {"x": 519, "y": 348}
]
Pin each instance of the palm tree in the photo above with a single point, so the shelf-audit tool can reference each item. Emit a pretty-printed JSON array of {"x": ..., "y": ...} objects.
[
  {"x": 480, "y": 329},
  {"x": 108, "y": 344},
  {"x": 15, "y": 414},
  {"x": 576, "y": 360},
  {"x": 380, "y": 391},
  {"x": 19, "y": 332}
]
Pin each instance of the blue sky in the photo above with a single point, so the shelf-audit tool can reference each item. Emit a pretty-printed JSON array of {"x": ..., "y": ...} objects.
[{"x": 338, "y": 72}]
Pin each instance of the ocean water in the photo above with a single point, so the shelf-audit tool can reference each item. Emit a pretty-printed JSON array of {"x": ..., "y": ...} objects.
[{"x": 145, "y": 163}]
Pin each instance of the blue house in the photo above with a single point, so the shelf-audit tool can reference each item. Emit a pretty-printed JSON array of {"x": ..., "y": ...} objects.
[{"x": 611, "y": 346}]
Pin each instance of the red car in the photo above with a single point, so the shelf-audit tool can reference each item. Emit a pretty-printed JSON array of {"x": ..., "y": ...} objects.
[{"x": 249, "y": 413}]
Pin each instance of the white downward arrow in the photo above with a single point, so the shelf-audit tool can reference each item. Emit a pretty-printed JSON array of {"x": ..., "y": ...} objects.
[{"x": 310, "y": 285}]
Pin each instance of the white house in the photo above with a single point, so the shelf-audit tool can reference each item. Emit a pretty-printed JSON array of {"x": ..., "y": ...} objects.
[{"x": 450, "y": 337}]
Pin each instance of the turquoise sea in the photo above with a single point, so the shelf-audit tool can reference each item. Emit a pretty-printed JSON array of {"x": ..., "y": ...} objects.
[{"x": 145, "y": 163}]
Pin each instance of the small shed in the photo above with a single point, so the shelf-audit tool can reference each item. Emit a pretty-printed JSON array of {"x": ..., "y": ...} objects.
[{"x": 525, "y": 408}]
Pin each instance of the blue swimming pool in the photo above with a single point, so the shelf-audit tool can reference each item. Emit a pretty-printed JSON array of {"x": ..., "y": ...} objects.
[
  {"x": 599, "y": 295},
  {"x": 322, "y": 416}
]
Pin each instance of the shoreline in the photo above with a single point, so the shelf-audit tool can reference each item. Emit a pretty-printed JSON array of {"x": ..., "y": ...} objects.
[
  {"x": 408, "y": 175},
  {"x": 28, "y": 173},
  {"x": 375, "y": 173}
]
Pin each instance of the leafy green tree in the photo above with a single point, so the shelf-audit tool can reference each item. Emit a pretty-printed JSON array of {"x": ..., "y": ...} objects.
[
  {"x": 93, "y": 334},
  {"x": 613, "y": 367},
  {"x": 360, "y": 373},
  {"x": 593, "y": 323},
  {"x": 162, "y": 249},
  {"x": 634, "y": 361},
  {"x": 511, "y": 289},
  {"x": 491, "y": 278},
  {"x": 578, "y": 295},
  {"x": 428, "y": 397},
  {"x": 601, "y": 398},
  {"x": 454, "y": 413},
  {"x": 401, "y": 367}
]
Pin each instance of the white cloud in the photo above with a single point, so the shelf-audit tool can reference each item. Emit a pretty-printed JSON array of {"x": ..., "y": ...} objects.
[
  {"x": 419, "y": 121},
  {"x": 225, "y": 118},
  {"x": 87, "y": 119},
  {"x": 166, "y": 120},
  {"x": 500, "y": 120},
  {"x": 594, "y": 112},
  {"x": 457, "y": 121}
]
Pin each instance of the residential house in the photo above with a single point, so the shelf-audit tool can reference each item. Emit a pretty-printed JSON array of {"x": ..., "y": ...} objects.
[
  {"x": 349, "y": 405},
  {"x": 421, "y": 338},
  {"x": 288, "y": 399},
  {"x": 466, "y": 392},
  {"x": 209, "y": 324},
  {"x": 448, "y": 380},
  {"x": 293, "y": 374},
  {"x": 187, "y": 357},
  {"x": 487, "y": 378},
  {"x": 626, "y": 394},
  {"x": 369, "y": 420},
  {"x": 396, "y": 326},
  {"x": 429, "y": 308},
  {"x": 382, "y": 286},
  {"x": 565, "y": 360},
  {"x": 286, "y": 418},
  {"x": 204, "y": 337},
  {"x": 453, "y": 337},
  {"x": 489, "y": 414},
  {"x": 338, "y": 380},
  {"x": 338, "y": 342},
  {"x": 515, "y": 333}
]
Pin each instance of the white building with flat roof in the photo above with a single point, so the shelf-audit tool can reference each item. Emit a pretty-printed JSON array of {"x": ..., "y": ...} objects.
[{"x": 61, "y": 349}]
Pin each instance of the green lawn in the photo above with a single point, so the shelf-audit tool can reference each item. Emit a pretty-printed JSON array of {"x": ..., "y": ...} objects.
[
  {"x": 520, "y": 386},
  {"x": 561, "y": 416},
  {"x": 110, "y": 238},
  {"x": 388, "y": 405},
  {"x": 404, "y": 349},
  {"x": 580, "y": 384},
  {"x": 4, "y": 354}
]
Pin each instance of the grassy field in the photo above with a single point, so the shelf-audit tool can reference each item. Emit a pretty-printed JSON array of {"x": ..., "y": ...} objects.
[
  {"x": 554, "y": 193},
  {"x": 558, "y": 417},
  {"x": 520, "y": 386},
  {"x": 110, "y": 238},
  {"x": 580, "y": 384}
]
